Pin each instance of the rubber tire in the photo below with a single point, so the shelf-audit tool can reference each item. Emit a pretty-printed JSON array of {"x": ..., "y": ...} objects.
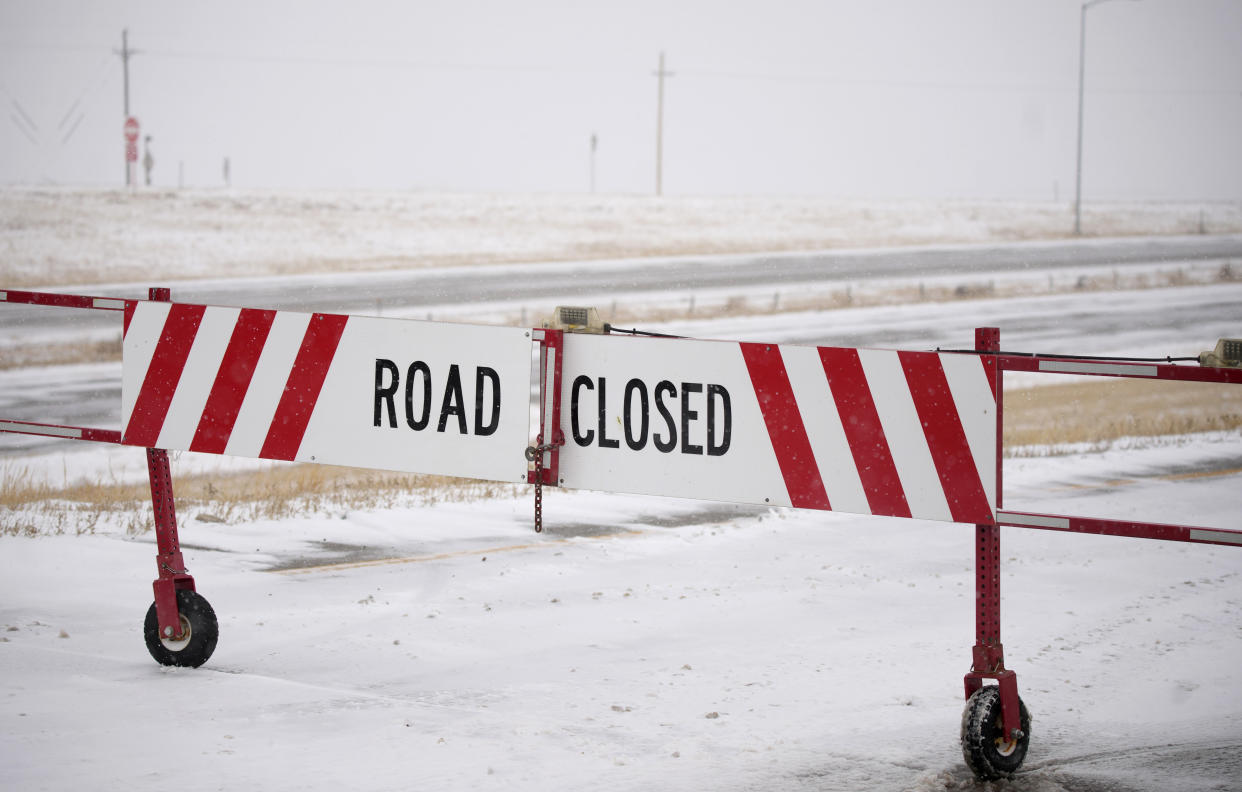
[
  {"x": 982, "y": 735},
  {"x": 203, "y": 631}
]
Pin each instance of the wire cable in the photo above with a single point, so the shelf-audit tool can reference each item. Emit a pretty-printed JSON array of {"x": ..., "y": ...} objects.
[
  {"x": 610, "y": 329},
  {"x": 1166, "y": 359}
]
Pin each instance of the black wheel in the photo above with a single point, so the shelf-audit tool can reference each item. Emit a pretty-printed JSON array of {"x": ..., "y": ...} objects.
[
  {"x": 199, "y": 633},
  {"x": 989, "y": 752}
]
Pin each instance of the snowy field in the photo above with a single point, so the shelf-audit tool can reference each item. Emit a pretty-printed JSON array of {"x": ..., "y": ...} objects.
[
  {"x": 646, "y": 643},
  {"x": 639, "y": 643},
  {"x": 60, "y": 236}
]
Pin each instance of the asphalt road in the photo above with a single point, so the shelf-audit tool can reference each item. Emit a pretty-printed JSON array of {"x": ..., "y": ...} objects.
[
  {"x": 406, "y": 290},
  {"x": 89, "y": 395}
]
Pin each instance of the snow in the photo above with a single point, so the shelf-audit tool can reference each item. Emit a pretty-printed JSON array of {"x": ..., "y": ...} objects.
[
  {"x": 639, "y": 643},
  {"x": 69, "y": 235},
  {"x": 644, "y": 643}
]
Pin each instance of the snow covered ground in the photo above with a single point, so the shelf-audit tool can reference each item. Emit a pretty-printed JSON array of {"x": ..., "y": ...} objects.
[
  {"x": 639, "y": 643},
  {"x": 649, "y": 643}
]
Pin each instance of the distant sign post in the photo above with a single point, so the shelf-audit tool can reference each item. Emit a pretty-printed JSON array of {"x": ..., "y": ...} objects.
[{"x": 131, "y": 149}]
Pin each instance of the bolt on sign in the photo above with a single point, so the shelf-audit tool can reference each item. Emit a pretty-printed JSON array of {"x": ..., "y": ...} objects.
[{"x": 390, "y": 394}]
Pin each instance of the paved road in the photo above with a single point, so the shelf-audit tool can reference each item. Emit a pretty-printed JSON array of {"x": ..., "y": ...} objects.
[
  {"x": 1078, "y": 323},
  {"x": 406, "y": 290}
]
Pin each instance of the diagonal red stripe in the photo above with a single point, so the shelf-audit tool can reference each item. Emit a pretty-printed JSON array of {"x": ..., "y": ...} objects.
[
  {"x": 946, "y": 439},
  {"x": 160, "y": 383},
  {"x": 864, "y": 432},
  {"x": 785, "y": 427},
  {"x": 302, "y": 389},
  {"x": 232, "y": 381}
]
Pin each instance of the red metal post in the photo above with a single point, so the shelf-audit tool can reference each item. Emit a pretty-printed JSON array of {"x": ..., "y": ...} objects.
[
  {"x": 550, "y": 438},
  {"x": 988, "y": 654},
  {"x": 172, "y": 572}
]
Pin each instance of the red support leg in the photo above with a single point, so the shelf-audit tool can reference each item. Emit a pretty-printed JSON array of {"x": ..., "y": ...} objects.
[
  {"x": 988, "y": 654},
  {"x": 172, "y": 573}
]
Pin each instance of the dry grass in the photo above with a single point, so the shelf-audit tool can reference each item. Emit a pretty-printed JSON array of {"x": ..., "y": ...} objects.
[
  {"x": 1051, "y": 418},
  {"x": 847, "y": 296},
  {"x": 22, "y": 355},
  {"x": 28, "y": 508},
  {"x": 290, "y": 490}
]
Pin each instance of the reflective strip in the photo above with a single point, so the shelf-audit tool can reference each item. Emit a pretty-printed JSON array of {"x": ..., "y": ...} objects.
[
  {"x": 50, "y": 431},
  {"x": 1034, "y": 520},
  {"x": 4, "y": 296},
  {"x": 1200, "y": 535},
  {"x": 106, "y": 304},
  {"x": 1120, "y": 369},
  {"x": 537, "y": 335}
]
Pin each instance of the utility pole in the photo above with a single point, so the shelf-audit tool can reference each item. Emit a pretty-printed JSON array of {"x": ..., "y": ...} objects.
[
  {"x": 661, "y": 74},
  {"x": 594, "y": 145},
  {"x": 126, "y": 53}
]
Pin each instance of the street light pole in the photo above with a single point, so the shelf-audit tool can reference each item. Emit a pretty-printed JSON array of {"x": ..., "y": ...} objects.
[
  {"x": 1082, "y": 69},
  {"x": 660, "y": 74}
]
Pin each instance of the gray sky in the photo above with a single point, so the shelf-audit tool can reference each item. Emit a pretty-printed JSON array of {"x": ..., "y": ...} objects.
[{"x": 867, "y": 98}]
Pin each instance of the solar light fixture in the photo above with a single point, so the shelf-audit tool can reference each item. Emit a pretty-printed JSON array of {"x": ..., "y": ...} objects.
[
  {"x": 1228, "y": 354},
  {"x": 575, "y": 319}
]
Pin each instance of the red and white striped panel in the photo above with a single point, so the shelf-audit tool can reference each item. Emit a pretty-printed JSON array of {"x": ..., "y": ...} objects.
[
  {"x": 908, "y": 434},
  {"x": 327, "y": 388}
]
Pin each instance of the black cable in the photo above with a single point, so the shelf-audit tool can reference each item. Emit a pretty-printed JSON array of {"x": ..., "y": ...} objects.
[
  {"x": 1167, "y": 359},
  {"x": 1071, "y": 357},
  {"x": 610, "y": 329}
]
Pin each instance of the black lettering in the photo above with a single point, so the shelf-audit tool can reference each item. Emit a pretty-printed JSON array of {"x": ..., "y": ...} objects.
[
  {"x": 727, "y": 429},
  {"x": 688, "y": 415},
  {"x": 420, "y": 423},
  {"x": 581, "y": 381},
  {"x": 632, "y": 387},
  {"x": 670, "y": 443},
  {"x": 485, "y": 373},
  {"x": 384, "y": 393},
  {"x": 452, "y": 404},
  {"x": 604, "y": 441}
]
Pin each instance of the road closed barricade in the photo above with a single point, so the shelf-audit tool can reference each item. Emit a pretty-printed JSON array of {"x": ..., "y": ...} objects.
[{"x": 909, "y": 434}]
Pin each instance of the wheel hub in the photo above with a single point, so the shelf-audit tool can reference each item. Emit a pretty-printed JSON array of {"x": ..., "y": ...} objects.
[{"x": 177, "y": 644}]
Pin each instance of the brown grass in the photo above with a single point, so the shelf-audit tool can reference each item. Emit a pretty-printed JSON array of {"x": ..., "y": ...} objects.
[
  {"x": 1099, "y": 411},
  {"x": 846, "y": 296},
  {"x": 28, "y": 508},
  {"x": 22, "y": 355}
]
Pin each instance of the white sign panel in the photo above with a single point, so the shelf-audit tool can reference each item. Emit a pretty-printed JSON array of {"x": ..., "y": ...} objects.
[
  {"x": 664, "y": 417},
  {"x": 392, "y": 394},
  {"x": 910, "y": 434}
]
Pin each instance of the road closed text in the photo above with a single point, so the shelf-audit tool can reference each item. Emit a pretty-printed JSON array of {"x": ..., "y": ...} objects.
[
  {"x": 688, "y": 417},
  {"x": 426, "y": 394}
]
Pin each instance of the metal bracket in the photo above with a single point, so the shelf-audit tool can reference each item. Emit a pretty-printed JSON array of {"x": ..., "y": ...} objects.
[{"x": 546, "y": 451}]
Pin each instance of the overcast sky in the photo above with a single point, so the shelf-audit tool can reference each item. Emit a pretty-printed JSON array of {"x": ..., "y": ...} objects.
[{"x": 867, "y": 98}]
